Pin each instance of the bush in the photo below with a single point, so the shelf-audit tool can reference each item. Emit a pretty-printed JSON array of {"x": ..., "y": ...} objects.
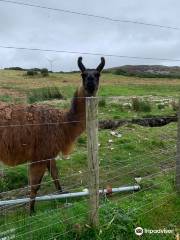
[
  {"x": 161, "y": 106},
  {"x": 141, "y": 106},
  {"x": 44, "y": 72},
  {"x": 6, "y": 98},
  {"x": 13, "y": 179},
  {"x": 117, "y": 223},
  {"x": 82, "y": 140},
  {"x": 102, "y": 103},
  {"x": 145, "y": 107},
  {"x": 31, "y": 73},
  {"x": 46, "y": 93},
  {"x": 174, "y": 105},
  {"x": 120, "y": 72},
  {"x": 136, "y": 104}
]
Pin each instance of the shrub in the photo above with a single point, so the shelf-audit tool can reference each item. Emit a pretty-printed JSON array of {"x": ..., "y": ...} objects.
[
  {"x": 82, "y": 140},
  {"x": 174, "y": 105},
  {"x": 120, "y": 72},
  {"x": 161, "y": 106},
  {"x": 44, "y": 72},
  {"x": 6, "y": 98},
  {"x": 102, "y": 102},
  {"x": 13, "y": 179},
  {"x": 145, "y": 106},
  {"x": 31, "y": 73},
  {"x": 141, "y": 106},
  {"x": 46, "y": 93},
  {"x": 136, "y": 104},
  {"x": 118, "y": 224}
]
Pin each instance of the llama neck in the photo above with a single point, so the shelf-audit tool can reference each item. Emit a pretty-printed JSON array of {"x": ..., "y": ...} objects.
[
  {"x": 77, "y": 110},
  {"x": 77, "y": 113}
]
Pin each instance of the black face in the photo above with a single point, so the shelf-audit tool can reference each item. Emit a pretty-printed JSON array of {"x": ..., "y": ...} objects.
[
  {"x": 90, "y": 77},
  {"x": 90, "y": 81}
]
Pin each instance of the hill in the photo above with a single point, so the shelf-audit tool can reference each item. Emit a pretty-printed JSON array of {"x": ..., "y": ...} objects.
[{"x": 146, "y": 71}]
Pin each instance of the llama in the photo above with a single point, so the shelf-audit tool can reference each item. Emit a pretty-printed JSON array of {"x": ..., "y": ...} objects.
[{"x": 37, "y": 134}]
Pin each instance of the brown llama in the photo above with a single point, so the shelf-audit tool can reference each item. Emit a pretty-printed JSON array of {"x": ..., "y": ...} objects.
[{"x": 36, "y": 133}]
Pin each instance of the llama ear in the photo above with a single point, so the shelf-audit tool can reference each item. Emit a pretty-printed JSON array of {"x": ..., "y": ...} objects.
[
  {"x": 80, "y": 64},
  {"x": 101, "y": 65}
]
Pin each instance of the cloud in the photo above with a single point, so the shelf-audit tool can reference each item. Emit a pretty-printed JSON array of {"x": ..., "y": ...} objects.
[{"x": 39, "y": 28}]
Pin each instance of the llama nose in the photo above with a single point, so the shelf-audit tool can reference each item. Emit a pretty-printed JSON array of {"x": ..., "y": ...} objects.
[{"x": 90, "y": 87}]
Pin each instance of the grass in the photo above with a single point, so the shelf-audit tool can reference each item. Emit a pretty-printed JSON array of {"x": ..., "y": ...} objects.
[
  {"x": 111, "y": 85},
  {"x": 141, "y": 106},
  {"x": 43, "y": 94},
  {"x": 5, "y": 98},
  {"x": 140, "y": 90},
  {"x": 13, "y": 179},
  {"x": 122, "y": 222},
  {"x": 129, "y": 108},
  {"x": 139, "y": 151}
]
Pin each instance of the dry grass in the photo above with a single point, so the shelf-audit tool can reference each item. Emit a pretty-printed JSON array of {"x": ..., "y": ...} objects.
[
  {"x": 17, "y": 85},
  {"x": 16, "y": 80}
]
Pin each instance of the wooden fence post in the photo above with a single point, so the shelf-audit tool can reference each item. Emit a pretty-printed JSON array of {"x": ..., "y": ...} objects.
[
  {"x": 178, "y": 153},
  {"x": 93, "y": 164}
]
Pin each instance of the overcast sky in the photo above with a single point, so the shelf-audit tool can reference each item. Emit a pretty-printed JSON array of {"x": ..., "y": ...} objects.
[{"x": 24, "y": 26}]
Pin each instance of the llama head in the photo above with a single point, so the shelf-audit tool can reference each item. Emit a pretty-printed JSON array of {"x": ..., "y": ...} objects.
[{"x": 90, "y": 77}]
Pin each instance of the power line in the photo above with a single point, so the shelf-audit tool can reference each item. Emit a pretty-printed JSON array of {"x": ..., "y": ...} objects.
[
  {"x": 89, "y": 53},
  {"x": 90, "y": 15}
]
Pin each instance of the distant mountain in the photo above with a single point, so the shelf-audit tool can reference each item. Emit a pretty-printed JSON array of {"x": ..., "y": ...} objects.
[
  {"x": 146, "y": 70},
  {"x": 149, "y": 68}
]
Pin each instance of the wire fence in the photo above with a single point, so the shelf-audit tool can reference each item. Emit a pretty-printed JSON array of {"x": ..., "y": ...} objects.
[
  {"x": 133, "y": 160},
  {"x": 128, "y": 157},
  {"x": 89, "y": 15},
  {"x": 89, "y": 53}
]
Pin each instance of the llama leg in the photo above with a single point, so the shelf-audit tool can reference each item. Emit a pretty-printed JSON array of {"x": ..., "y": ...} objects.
[
  {"x": 52, "y": 168},
  {"x": 36, "y": 173}
]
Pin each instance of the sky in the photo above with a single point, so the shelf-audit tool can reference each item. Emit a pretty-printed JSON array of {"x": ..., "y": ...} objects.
[{"x": 23, "y": 26}]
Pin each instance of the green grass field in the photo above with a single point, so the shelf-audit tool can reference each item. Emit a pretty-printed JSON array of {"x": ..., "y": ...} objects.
[{"x": 137, "y": 152}]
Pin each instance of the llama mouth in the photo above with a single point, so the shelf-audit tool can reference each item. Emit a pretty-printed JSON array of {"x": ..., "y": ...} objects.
[
  {"x": 90, "y": 90},
  {"x": 90, "y": 93}
]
